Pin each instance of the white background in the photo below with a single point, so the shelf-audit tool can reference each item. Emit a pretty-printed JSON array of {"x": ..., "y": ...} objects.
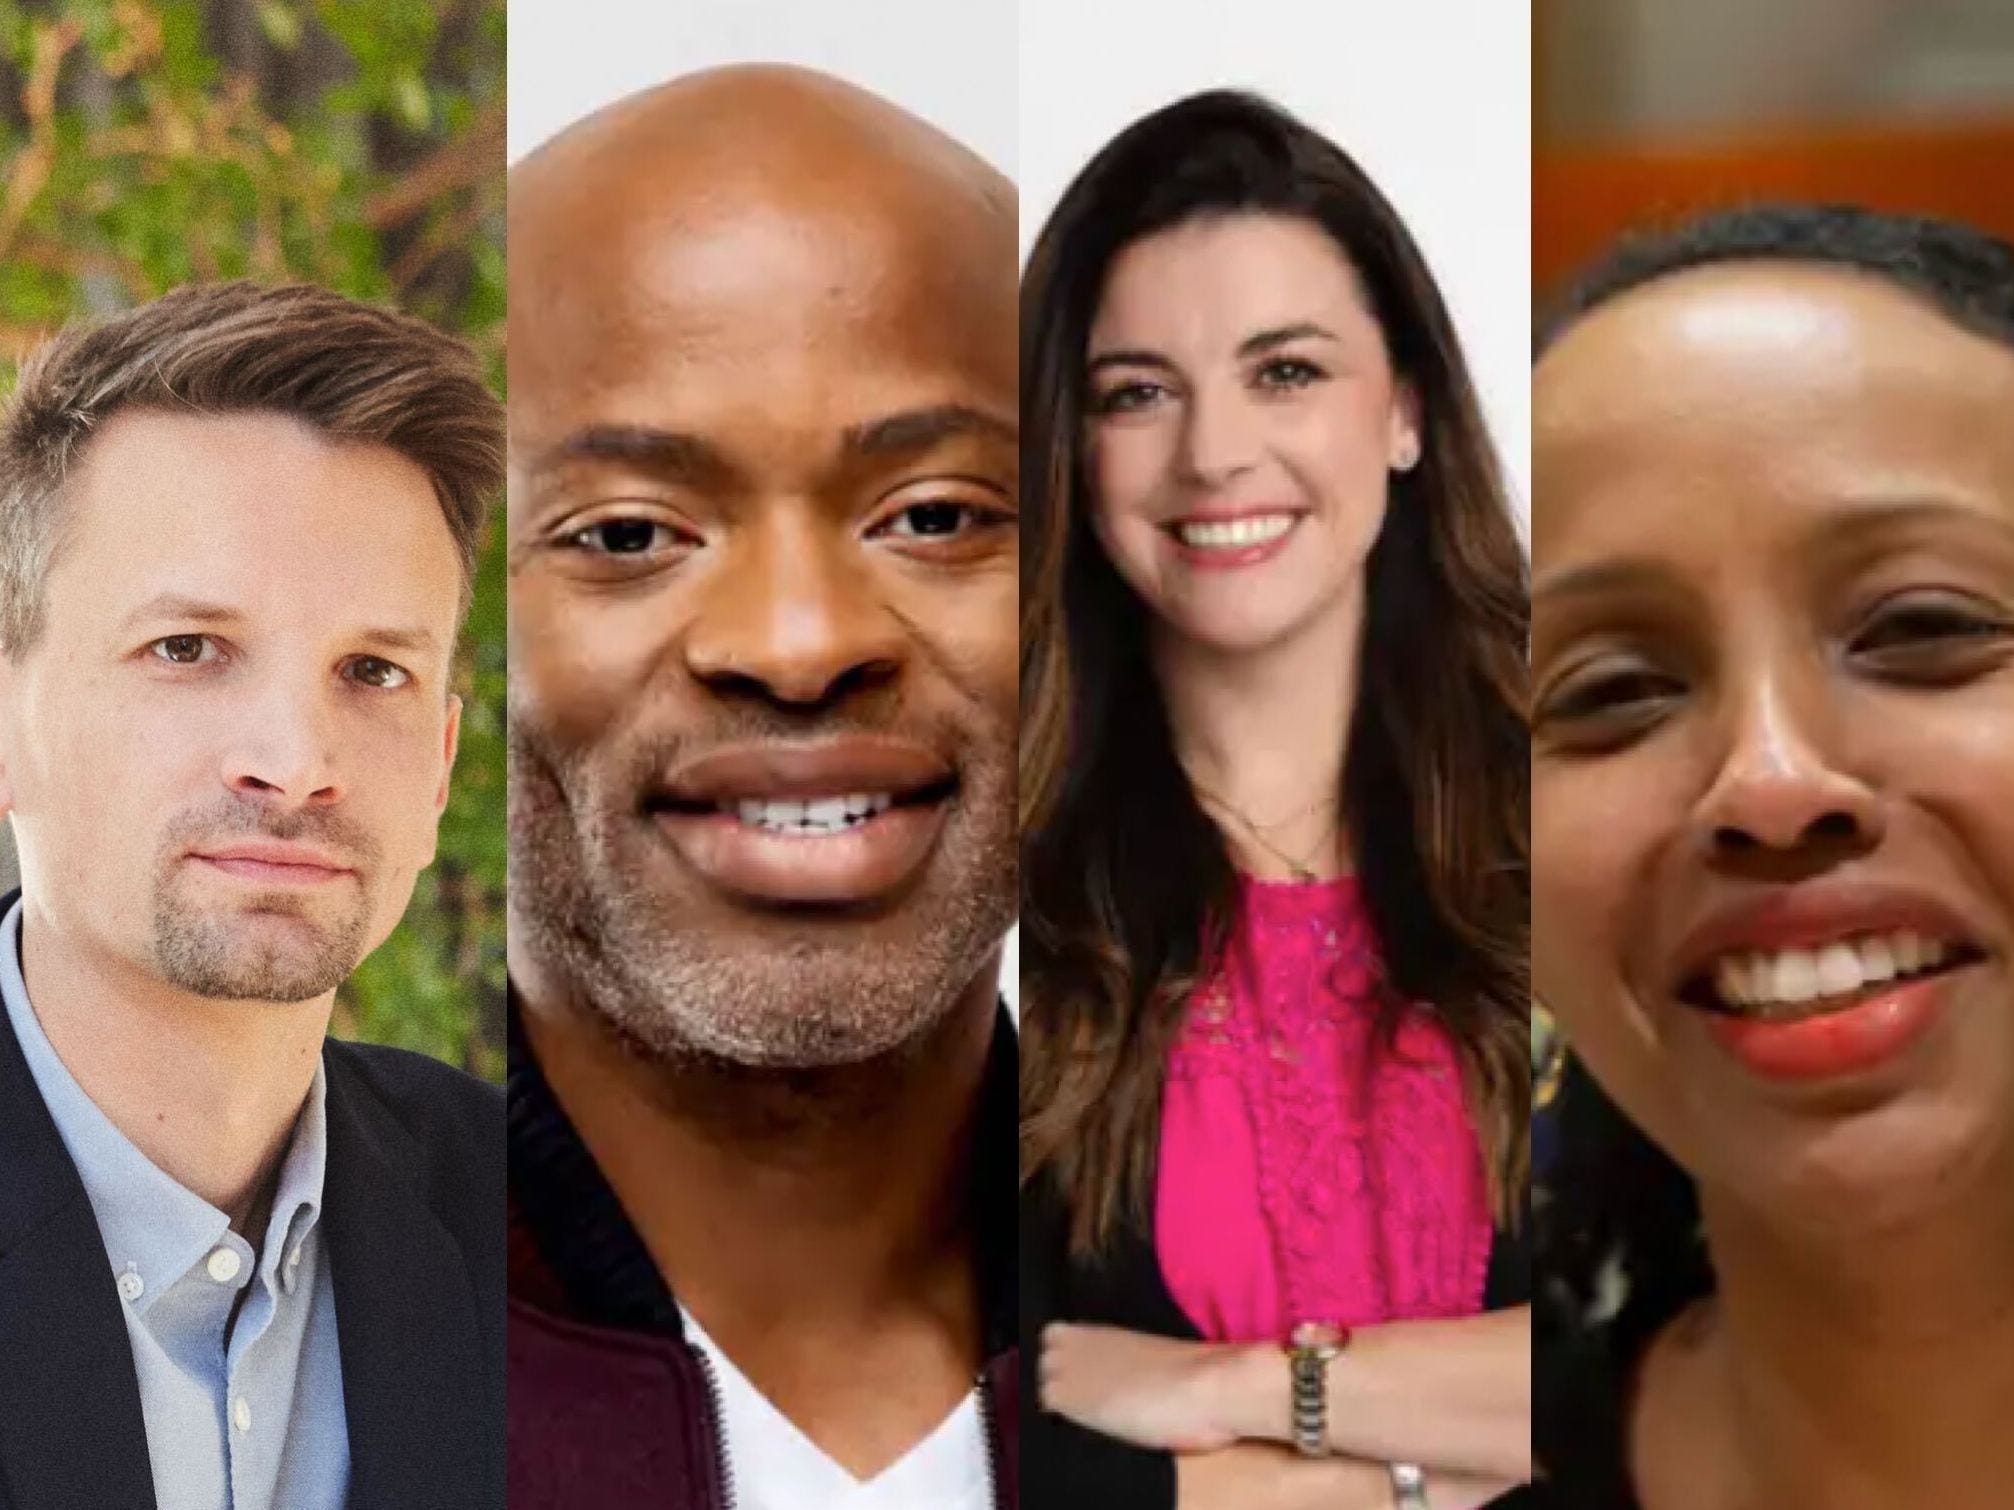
[
  {"x": 949, "y": 61},
  {"x": 1431, "y": 97}
]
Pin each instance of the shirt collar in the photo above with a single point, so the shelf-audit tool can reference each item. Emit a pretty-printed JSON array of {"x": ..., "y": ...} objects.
[{"x": 153, "y": 1225}]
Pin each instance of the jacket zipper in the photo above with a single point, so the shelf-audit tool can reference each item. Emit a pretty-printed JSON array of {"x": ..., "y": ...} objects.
[
  {"x": 716, "y": 1417},
  {"x": 991, "y": 1431}
]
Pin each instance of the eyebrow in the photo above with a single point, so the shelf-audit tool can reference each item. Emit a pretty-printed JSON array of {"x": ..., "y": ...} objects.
[
  {"x": 1595, "y": 579},
  {"x": 681, "y": 457},
  {"x": 182, "y": 609},
  {"x": 914, "y": 430},
  {"x": 673, "y": 454},
  {"x": 1253, "y": 345}
]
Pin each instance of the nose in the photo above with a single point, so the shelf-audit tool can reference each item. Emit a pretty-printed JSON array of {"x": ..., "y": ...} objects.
[
  {"x": 1221, "y": 437},
  {"x": 1782, "y": 785},
  {"x": 795, "y": 618},
  {"x": 283, "y": 752}
]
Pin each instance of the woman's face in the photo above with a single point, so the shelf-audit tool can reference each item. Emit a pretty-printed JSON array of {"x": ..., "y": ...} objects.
[
  {"x": 1773, "y": 732},
  {"x": 1242, "y": 421}
]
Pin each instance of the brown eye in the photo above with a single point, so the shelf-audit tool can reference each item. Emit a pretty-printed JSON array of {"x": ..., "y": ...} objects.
[
  {"x": 373, "y": 671},
  {"x": 936, "y": 520},
  {"x": 1933, "y": 641},
  {"x": 1608, "y": 705},
  {"x": 185, "y": 649},
  {"x": 1287, "y": 373},
  {"x": 622, "y": 537},
  {"x": 1128, "y": 398}
]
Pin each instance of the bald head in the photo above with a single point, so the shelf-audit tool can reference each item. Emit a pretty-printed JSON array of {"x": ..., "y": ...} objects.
[
  {"x": 762, "y": 193},
  {"x": 702, "y": 141}
]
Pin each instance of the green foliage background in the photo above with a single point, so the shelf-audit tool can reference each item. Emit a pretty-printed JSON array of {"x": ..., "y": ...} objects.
[{"x": 358, "y": 144}]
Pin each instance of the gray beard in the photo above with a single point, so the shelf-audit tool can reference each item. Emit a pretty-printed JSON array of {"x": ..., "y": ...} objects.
[{"x": 819, "y": 999}]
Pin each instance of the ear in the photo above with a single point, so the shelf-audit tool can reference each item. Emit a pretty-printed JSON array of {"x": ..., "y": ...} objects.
[
  {"x": 1403, "y": 435},
  {"x": 6, "y": 706},
  {"x": 450, "y": 743}
]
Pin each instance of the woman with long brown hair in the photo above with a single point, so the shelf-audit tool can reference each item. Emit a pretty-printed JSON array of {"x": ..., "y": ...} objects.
[{"x": 1275, "y": 897}]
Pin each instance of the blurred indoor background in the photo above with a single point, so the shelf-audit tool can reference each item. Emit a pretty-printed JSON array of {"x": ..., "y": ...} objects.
[
  {"x": 358, "y": 144},
  {"x": 1649, "y": 108}
]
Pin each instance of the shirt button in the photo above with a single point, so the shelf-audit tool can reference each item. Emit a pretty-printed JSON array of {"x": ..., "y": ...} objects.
[
  {"x": 131, "y": 1286},
  {"x": 223, "y": 1265},
  {"x": 241, "y": 1413}
]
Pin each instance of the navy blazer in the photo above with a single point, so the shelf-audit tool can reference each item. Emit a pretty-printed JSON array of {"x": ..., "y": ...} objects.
[{"x": 413, "y": 1219}]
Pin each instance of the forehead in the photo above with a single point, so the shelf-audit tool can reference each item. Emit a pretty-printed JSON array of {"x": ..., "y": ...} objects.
[
  {"x": 255, "y": 511},
  {"x": 1797, "y": 388},
  {"x": 1224, "y": 277},
  {"x": 760, "y": 307}
]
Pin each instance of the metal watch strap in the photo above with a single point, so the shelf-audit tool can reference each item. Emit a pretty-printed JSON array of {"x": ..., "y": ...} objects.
[
  {"x": 1409, "y": 1487},
  {"x": 1311, "y": 1401},
  {"x": 1309, "y": 1351}
]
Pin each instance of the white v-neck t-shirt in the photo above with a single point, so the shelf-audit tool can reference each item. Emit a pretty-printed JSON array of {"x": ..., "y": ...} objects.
[{"x": 777, "y": 1467}]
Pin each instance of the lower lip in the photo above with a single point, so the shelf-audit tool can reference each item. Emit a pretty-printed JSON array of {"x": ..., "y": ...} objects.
[
  {"x": 1835, "y": 1044},
  {"x": 273, "y": 873},
  {"x": 1232, "y": 557},
  {"x": 861, "y": 863}
]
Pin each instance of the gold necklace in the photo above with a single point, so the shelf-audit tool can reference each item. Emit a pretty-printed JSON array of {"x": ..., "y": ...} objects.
[{"x": 1300, "y": 869}]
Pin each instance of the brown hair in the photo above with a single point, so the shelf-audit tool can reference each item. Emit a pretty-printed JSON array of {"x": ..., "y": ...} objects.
[
  {"x": 353, "y": 372},
  {"x": 1126, "y": 883}
]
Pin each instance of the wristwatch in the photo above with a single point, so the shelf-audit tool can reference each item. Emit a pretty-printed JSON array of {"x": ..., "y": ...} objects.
[
  {"x": 1309, "y": 1351},
  {"x": 1409, "y": 1487}
]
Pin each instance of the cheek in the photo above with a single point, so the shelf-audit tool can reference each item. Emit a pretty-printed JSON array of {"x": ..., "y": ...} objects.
[
  {"x": 1339, "y": 451},
  {"x": 1595, "y": 828},
  {"x": 968, "y": 627},
  {"x": 576, "y": 661},
  {"x": 1128, "y": 466}
]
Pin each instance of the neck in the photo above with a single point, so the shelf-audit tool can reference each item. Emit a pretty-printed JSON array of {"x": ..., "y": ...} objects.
[
  {"x": 208, "y": 1090},
  {"x": 1870, "y": 1369},
  {"x": 829, "y": 1200},
  {"x": 1265, "y": 732}
]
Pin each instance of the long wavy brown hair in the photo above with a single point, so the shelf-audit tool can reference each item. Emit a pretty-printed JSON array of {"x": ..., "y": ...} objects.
[{"x": 1126, "y": 885}]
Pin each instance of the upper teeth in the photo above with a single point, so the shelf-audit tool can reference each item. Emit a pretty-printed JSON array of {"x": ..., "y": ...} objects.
[
  {"x": 1794, "y": 976},
  {"x": 817, "y": 815},
  {"x": 1254, "y": 529}
]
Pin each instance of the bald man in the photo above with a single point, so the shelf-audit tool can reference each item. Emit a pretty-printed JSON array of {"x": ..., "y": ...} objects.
[{"x": 764, "y": 577}]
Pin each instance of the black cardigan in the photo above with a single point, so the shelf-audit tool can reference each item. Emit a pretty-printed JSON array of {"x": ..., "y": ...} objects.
[{"x": 1063, "y": 1465}]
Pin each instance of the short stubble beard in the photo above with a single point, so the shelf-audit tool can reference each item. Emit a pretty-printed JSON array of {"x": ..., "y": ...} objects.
[
  {"x": 213, "y": 951},
  {"x": 824, "y": 999}
]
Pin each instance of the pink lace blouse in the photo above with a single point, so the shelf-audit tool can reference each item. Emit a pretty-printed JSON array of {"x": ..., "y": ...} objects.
[{"x": 1303, "y": 1176}]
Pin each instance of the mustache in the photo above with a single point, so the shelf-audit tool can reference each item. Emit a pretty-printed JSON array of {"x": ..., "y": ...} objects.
[{"x": 235, "y": 817}]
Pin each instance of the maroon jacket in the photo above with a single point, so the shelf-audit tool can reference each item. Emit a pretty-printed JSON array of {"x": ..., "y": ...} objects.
[{"x": 609, "y": 1407}]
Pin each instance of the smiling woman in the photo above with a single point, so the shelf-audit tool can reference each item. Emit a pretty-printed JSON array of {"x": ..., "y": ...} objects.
[
  {"x": 1274, "y": 1072},
  {"x": 1773, "y": 856}
]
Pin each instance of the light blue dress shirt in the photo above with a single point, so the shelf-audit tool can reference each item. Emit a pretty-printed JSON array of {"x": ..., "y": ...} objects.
[{"x": 240, "y": 1376}]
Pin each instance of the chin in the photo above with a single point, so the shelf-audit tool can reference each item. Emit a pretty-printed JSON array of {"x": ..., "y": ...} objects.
[{"x": 1899, "y": 1166}]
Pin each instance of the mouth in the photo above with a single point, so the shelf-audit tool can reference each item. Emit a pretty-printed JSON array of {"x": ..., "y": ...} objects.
[
  {"x": 838, "y": 824},
  {"x": 273, "y": 864},
  {"x": 1240, "y": 540},
  {"x": 1791, "y": 985}
]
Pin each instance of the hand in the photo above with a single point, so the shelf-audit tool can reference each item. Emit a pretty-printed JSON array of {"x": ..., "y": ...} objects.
[{"x": 1150, "y": 1391}]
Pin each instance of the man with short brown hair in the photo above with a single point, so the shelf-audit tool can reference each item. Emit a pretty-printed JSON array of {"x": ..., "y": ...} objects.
[{"x": 240, "y": 1264}]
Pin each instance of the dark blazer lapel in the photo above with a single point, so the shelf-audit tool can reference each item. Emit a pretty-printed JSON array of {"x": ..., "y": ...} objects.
[
  {"x": 413, "y": 1367},
  {"x": 71, "y": 1433}
]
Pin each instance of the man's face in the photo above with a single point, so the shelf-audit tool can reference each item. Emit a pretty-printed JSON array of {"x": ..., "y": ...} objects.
[
  {"x": 227, "y": 751},
  {"x": 764, "y": 676}
]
